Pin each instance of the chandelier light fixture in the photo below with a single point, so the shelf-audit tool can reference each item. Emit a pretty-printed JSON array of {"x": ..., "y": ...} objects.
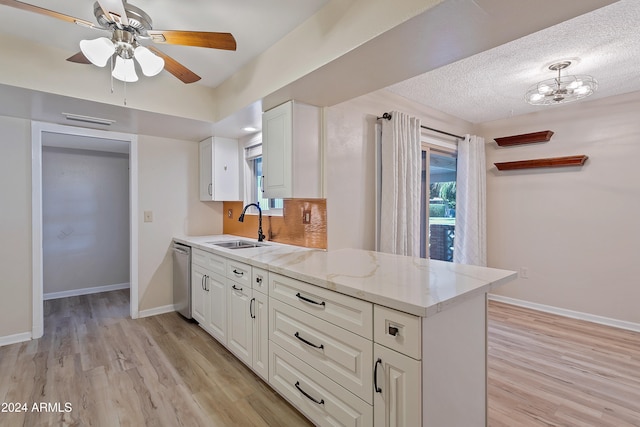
[{"x": 561, "y": 89}]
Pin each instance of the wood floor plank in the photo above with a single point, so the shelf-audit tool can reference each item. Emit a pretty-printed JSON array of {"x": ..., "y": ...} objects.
[{"x": 554, "y": 371}]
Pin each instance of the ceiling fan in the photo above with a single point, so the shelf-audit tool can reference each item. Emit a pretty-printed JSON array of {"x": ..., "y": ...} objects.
[{"x": 129, "y": 27}]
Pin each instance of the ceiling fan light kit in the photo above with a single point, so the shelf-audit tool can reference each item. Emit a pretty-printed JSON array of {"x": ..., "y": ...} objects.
[
  {"x": 561, "y": 89},
  {"x": 130, "y": 27}
]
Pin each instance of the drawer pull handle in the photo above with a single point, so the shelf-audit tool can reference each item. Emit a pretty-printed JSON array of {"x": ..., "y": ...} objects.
[
  {"x": 236, "y": 289},
  {"x": 297, "y": 335},
  {"x": 253, "y": 316},
  {"x": 238, "y": 273},
  {"x": 259, "y": 280},
  {"x": 375, "y": 376},
  {"x": 309, "y": 300},
  {"x": 202, "y": 282},
  {"x": 319, "y": 402},
  {"x": 393, "y": 330}
]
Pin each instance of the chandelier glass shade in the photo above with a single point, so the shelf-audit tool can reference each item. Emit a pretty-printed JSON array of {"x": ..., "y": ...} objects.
[
  {"x": 561, "y": 89},
  {"x": 125, "y": 48}
]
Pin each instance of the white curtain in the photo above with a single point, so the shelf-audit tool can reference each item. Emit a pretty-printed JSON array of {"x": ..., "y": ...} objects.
[
  {"x": 400, "y": 186},
  {"x": 470, "y": 243}
]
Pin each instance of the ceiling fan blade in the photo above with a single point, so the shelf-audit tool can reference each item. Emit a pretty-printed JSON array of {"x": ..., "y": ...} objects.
[
  {"x": 176, "y": 68},
  {"x": 31, "y": 8},
  {"x": 79, "y": 58},
  {"x": 224, "y": 41},
  {"x": 114, "y": 9}
]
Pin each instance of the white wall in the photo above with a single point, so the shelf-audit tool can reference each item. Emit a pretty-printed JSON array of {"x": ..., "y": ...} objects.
[
  {"x": 15, "y": 226},
  {"x": 576, "y": 230},
  {"x": 85, "y": 215},
  {"x": 350, "y": 162},
  {"x": 168, "y": 186}
]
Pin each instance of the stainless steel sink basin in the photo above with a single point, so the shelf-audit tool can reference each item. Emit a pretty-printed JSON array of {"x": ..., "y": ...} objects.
[{"x": 237, "y": 244}]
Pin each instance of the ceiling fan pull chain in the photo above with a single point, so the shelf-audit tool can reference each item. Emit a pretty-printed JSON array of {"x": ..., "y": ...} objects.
[
  {"x": 111, "y": 74},
  {"x": 125, "y": 92}
]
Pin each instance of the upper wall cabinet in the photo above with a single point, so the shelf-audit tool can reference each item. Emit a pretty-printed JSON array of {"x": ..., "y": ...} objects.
[
  {"x": 219, "y": 169},
  {"x": 291, "y": 152}
]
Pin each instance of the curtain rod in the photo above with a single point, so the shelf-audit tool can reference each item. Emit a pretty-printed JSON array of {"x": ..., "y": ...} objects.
[{"x": 387, "y": 116}]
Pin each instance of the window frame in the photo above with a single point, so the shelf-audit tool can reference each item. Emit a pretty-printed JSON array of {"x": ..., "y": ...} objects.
[
  {"x": 427, "y": 145},
  {"x": 253, "y": 151}
]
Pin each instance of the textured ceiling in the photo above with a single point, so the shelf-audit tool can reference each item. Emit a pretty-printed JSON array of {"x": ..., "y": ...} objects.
[
  {"x": 256, "y": 25},
  {"x": 491, "y": 85}
]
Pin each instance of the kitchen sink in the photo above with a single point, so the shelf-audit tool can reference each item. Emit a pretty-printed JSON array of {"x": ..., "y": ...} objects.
[{"x": 237, "y": 244}]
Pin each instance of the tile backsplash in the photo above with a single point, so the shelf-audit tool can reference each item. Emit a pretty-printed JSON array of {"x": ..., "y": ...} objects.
[{"x": 303, "y": 223}]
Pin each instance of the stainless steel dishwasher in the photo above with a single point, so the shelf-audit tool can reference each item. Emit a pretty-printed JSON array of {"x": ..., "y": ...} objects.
[{"x": 182, "y": 279}]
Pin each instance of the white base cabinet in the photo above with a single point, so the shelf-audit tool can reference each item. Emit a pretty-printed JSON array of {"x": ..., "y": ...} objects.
[
  {"x": 398, "y": 389},
  {"x": 240, "y": 324},
  {"x": 343, "y": 361},
  {"x": 323, "y": 401},
  {"x": 225, "y": 305},
  {"x": 259, "y": 310}
]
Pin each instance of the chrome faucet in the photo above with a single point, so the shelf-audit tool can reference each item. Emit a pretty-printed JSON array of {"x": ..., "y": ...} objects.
[{"x": 241, "y": 219}]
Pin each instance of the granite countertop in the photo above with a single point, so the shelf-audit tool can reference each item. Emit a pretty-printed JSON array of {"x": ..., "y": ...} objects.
[{"x": 414, "y": 285}]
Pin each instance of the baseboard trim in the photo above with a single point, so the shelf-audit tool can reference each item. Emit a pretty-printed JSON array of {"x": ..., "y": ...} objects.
[
  {"x": 607, "y": 321},
  {"x": 155, "y": 311},
  {"x": 85, "y": 291},
  {"x": 14, "y": 339}
]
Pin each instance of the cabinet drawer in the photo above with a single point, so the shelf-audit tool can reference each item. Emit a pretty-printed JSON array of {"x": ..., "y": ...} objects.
[
  {"x": 397, "y": 330},
  {"x": 239, "y": 272},
  {"x": 212, "y": 262},
  {"x": 323, "y": 401},
  {"x": 341, "y": 355},
  {"x": 260, "y": 280},
  {"x": 350, "y": 313}
]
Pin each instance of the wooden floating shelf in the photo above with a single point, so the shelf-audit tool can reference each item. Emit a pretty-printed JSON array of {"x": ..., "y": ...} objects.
[
  {"x": 551, "y": 162},
  {"x": 527, "y": 138}
]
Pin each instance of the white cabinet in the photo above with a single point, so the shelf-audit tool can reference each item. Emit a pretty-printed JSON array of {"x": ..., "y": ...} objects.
[
  {"x": 199, "y": 296},
  {"x": 208, "y": 293},
  {"x": 398, "y": 389},
  {"x": 219, "y": 169},
  {"x": 259, "y": 310},
  {"x": 216, "y": 323},
  {"x": 240, "y": 325},
  {"x": 291, "y": 151}
]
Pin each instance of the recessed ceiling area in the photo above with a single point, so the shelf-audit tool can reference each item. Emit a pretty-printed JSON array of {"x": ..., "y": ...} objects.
[{"x": 492, "y": 85}]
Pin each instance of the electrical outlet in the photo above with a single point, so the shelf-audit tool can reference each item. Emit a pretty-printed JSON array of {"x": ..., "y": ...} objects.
[
  {"x": 306, "y": 217},
  {"x": 230, "y": 213},
  {"x": 148, "y": 216},
  {"x": 524, "y": 273}
]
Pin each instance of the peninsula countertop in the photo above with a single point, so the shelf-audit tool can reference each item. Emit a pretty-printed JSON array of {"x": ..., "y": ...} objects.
[{"x": 418, "y": 286}]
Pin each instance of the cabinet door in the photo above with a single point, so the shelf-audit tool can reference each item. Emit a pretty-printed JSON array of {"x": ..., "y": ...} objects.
[
  {"x": 397, "y": 389},
  {"x": 206, "y": 170},
  {"x": 259, "y": 310},
  {"x": 277, "y": 152},
  {"x": 217, "y": 319},
  {"x": 240, "y": 326},
  {"x": 226, "y": 171},
  {"x": 199, "y": 296}
]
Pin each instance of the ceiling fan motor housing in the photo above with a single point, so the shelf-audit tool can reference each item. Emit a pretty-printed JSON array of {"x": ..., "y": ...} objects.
[{"x": 138, "y": 20}]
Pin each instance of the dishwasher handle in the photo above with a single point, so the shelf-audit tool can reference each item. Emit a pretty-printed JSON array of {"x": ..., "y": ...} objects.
[{"x": 180, "y": 250}]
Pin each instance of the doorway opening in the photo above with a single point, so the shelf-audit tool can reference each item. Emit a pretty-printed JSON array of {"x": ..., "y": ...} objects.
[{"x": 68, "y": 140}]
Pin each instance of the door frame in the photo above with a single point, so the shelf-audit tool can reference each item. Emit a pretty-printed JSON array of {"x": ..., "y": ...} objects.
[{"x": 37, "y": 131}]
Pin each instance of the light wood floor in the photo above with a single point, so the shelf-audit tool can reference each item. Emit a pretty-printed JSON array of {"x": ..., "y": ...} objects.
[
  {"x": 162, "y": 371},
  {"x": 546, "y": 370},
  {"x": 156, "y": 371}
]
